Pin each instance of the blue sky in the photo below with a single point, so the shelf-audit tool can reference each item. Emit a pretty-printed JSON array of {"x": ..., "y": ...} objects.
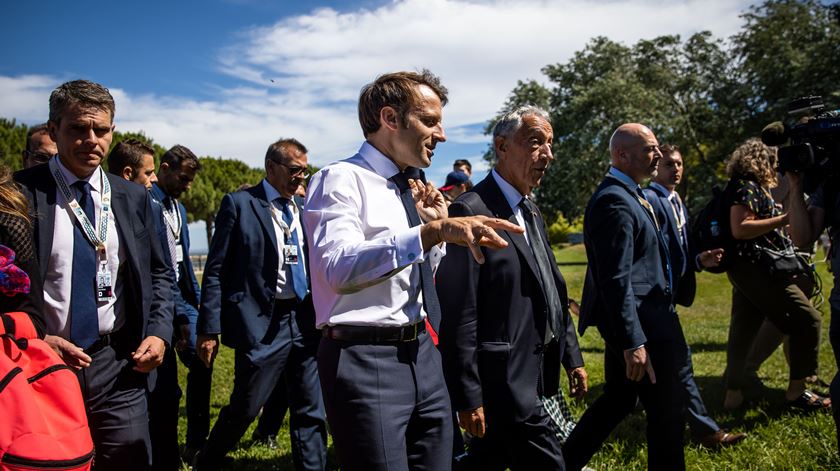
[{"x": 228, "y": 77}]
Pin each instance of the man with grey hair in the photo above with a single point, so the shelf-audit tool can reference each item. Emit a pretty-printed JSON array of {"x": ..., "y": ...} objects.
[
  {"x": 495, "y": 314},
  {"x": 628, "y": 295}
]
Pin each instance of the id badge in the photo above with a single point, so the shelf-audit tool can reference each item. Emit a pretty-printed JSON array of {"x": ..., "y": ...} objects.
[
  {"x": 104, "y": 288},
  {"x": 290, "y": 255},
  {"x": 179, "y": 253}
]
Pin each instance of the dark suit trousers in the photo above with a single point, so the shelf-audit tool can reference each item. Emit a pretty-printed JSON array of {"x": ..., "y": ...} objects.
[
  {"x": 834, "y": 389},
  {"x": 164, "y": 402},
  {"x": 663, "y": 403},
  {"x": 387, "y": 405},
  {"x": 526, "y": 446},
  {"x": 256, "y": 372},
  {"x": 696, "y": 415},
  {"x": 115, "y": 397},
  {"x": 301, "y": 390}
]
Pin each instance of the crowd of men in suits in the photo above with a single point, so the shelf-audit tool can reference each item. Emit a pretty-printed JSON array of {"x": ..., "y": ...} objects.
[{"x": 375, "y": 305}]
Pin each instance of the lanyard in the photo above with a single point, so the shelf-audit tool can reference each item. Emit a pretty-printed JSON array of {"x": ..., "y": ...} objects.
[
  {"x": 173, "y": 222},
  {"x": 287, "y": 230},
  {"x": 98, "y": 241}
]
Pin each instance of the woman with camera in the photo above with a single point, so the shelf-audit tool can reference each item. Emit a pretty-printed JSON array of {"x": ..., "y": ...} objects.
[{"x": 763, "y": 277}]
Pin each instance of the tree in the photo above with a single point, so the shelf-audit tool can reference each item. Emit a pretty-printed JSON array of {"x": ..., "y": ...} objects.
[
  {"x": 218, "y": 176},
  {"x": 12, "y": 143}
]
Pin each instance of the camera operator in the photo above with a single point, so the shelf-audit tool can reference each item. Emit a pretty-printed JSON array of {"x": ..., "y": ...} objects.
[{"x": 807, "y": 222}]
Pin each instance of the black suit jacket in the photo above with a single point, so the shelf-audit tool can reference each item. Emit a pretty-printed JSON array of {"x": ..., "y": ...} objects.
[
  {"x": 147, "y": 284},
  {"x": 494, "y": 320},
  {"x": 686, "y": 284},
  {"x": 240, "y": 276},
  {"x": 626, "y": 293}
]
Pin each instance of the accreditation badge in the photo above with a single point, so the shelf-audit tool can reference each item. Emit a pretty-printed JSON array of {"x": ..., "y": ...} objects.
[{"x": 290, "y": 255}]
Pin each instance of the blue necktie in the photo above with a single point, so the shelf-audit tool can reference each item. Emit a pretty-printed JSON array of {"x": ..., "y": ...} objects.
[
  {"x": 84, "y": 318},
  {"x": 427, "y": 281},
  {"x": 298, "y": 274}
]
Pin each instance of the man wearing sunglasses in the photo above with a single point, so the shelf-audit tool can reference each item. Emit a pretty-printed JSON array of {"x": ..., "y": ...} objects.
[
  {"x": 255, "y": 294},
  {"x": 39, "y": 146}
]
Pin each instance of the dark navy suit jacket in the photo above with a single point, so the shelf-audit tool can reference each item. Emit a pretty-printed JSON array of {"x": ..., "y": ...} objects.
[
  {"x": 494, "y": 319},
  {"x": 680, "y": 252},
  {"x": 626, "y": 293},
  {"x": 146, "y": 278},
  {"x": 188, "y": 293},
  {"x": 240, "y": 276}
]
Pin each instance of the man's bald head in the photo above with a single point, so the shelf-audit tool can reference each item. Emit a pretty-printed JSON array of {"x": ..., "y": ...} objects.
[{"x": 635, "y": 151}]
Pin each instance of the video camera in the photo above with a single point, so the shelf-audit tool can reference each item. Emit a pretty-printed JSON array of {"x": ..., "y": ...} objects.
[{"x": 810, "y": 146}]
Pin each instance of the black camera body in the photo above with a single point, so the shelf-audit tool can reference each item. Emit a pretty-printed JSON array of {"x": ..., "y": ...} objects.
[{"x": 811, "y": 146}]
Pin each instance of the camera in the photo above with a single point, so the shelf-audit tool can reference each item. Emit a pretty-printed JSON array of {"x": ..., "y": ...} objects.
[{"x": 811, "y": 145}]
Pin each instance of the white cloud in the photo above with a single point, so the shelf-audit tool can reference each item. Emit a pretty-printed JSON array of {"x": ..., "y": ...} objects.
[{"x": 301, "y": 75}]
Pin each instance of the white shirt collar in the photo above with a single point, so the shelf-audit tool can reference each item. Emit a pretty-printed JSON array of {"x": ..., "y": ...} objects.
[
  {"x": 379, "y": 162},
  {"x": 512, "y": 195},
  {"x": 271, "y": 193},
  {"x": 94, "y": 179},
  {"x": 662, "y": 189}
]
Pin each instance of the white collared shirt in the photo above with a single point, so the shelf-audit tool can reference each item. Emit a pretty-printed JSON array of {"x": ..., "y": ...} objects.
[
  {"x": 284, "y": 270},
  {"x": 513, "y": 198},
  {"x": 58, "y": 282},
  {"x": 362, "y": 250}
]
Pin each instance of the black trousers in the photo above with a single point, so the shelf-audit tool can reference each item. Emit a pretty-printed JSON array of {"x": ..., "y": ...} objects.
[
  {"x": 663, "y": 403},
  {"x": 526, "y": 446},
  {"x": 115, "y": 397},
  {"x": 387, "y": 405},
  {"x": 256, "y": 372}
]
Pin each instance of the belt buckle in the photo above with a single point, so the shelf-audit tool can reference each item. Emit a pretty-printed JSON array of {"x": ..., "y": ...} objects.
[{"x": 414, "y": 327}]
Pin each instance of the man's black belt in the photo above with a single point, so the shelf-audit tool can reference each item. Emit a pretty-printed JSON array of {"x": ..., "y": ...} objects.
[
  {"x": 104, "y": 341},
  {"x": 373, "y": 334}
]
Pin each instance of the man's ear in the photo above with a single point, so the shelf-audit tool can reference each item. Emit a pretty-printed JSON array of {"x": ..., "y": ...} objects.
[
  {"x": 389, "y": 118},
  {"x": 52, "y": 130},
  {"x": 128, "y": 173},
  {"x": 163, "y": 167},
  {"x": 500, "y": 146}
]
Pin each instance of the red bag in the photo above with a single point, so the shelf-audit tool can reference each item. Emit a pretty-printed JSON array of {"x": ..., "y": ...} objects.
[{"x": 43, "y": 424}]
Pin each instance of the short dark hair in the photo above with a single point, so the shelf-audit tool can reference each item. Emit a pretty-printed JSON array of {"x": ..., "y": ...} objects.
[
  {"x": 397, "y": 90},
  {"x": 83, "y": 93},
  {"x": 279, "y": 148},
  {"x": 38, "y": 128},
  {"x": 178, "y": 155},
  {"x": 128, "y": 153},
  {"x": 462, "y": 163},
  {"x": 669, "y": 149}
]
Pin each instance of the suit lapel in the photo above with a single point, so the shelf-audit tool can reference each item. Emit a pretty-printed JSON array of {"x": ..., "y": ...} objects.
[
  {"x": 45, "y": 198},
  {"x": 122, "y": 220},
  {"x": 500, "y": 208},
  {"x": 262, "y": 209}
]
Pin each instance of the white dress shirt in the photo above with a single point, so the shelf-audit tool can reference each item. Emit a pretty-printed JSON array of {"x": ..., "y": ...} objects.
[
  {"x": 284, "y": 270},
  {"x": 513, "y": 197},
  {"x": 57, "y": 283},
  {"x": 362, "y": 250}
]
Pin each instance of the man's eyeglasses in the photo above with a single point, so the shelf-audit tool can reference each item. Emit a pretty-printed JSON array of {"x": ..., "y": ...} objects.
[
  {"x": 37, "y": 157},
  {"x": 294, "y": 171}
]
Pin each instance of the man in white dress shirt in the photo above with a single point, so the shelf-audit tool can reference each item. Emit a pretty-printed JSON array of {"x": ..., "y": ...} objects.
[{"x": 371, "y": 223}]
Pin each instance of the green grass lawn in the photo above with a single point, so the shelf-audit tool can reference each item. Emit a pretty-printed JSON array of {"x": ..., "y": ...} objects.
[{"x": 778, "y": 438}]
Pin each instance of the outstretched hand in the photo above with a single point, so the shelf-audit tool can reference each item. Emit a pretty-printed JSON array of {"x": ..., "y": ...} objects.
[
  {"x": 711, "y": 258},
  {"x": 473, "y": 232}
]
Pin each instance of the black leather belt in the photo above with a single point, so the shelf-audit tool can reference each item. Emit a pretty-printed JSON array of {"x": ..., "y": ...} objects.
[
  {"x": 103, "y": 341},
  {"x": 373, "y": 334}
]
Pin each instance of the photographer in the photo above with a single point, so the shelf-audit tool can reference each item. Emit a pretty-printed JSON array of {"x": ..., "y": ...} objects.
[
  {"x": 758, "y": 292},
  {"x": 807, "y": 222}
]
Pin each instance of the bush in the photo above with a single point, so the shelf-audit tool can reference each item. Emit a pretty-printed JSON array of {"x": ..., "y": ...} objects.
[{"x": 559, "y": 230}]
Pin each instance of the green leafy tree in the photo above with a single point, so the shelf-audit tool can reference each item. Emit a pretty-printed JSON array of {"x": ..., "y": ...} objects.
[
  {"x": 12, "y": 143},
  {"x": 217, "y": 177}
]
